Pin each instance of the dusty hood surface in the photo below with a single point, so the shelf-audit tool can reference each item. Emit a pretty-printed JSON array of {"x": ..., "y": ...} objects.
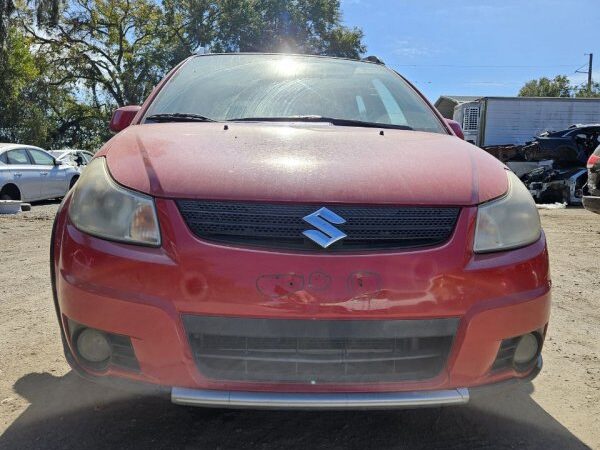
[{"x": 303, "y": 163}]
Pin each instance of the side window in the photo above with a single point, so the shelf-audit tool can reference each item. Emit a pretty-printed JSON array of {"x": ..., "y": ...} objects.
[
  {"x": 17, "y": 157},
  {"x": 3, "y": 158},
  {"x": 87, "y": 157},
  {"x": 41, "y": 158}
]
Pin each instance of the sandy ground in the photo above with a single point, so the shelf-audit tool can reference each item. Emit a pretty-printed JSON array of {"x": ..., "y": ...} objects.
[{"x": 44, "y": 405}]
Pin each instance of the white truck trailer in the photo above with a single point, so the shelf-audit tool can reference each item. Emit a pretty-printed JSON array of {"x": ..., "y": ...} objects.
[{"x": 517, "y": 120}]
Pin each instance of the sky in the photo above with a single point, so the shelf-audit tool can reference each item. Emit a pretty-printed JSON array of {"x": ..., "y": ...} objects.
[{"x": 479, "y": 47}]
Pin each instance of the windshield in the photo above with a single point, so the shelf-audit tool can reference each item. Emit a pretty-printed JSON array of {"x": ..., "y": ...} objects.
[{"x": 246, "y": 86}]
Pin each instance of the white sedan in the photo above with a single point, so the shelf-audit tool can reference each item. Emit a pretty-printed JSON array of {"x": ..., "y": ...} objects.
[{"x": 29, "y": 173}]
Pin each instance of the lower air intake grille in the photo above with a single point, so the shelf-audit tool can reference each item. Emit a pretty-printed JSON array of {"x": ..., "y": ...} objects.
[
  {"x": 281, "y": 225},
  {"x": 506, "y": 354},
  {"x": 318, "y": 351}
]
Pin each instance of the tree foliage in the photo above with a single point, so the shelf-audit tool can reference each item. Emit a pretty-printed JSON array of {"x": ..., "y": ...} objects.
[
  {"x": 545, "y": 87},
  {"x": 583, "y": 92},
  {"x": 560, "y": 86},
  {"x": 301, "y": 26},
  {"x": 7, "y": 7},
  {"x": 35, "y": 110},
  {"x": 117, "y": 50}
]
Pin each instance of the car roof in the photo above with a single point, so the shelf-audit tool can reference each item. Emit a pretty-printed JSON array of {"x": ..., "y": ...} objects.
[
  {"x": 70, "y": 150},
  {"x": 8, "y": 146},
  {"x": 371, "y": 59},
  {"x": 584, "y": 125}
]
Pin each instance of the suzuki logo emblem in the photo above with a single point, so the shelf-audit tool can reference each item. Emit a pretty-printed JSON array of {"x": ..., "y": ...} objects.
[{"x": 322, "y": 220}]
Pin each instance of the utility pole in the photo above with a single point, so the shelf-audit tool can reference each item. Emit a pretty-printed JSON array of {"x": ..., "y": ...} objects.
[{"x": 591, "y": 55}]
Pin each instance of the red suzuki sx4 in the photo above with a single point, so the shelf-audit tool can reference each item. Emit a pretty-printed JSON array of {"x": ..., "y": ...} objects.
[{"x": 280, "y": 231}]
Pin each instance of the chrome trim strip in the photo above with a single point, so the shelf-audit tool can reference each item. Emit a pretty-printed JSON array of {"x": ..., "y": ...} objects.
[{"x": 275, "y": 400}]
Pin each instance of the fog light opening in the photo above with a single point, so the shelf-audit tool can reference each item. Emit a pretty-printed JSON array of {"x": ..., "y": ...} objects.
[
  {"x": 93, "y": 347},
  {"x": 527, "y": 352}
]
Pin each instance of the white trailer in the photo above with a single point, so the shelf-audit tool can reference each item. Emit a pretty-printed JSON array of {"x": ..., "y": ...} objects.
[{"x": 517, "y": 120}]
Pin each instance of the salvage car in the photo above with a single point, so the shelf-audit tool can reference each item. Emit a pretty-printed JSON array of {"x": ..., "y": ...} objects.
[
  {"x": 276, "y": 231},
  {"x": 550, "y": 185},
  {"x": 30, "y": 173},
  {"x": 591, "y": 201},
  {"x": 73, "y": 157},
  {"x": 573, "y": 145}
]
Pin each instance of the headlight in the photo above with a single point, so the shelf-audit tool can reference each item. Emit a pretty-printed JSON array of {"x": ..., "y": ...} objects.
[
  {"x": 102, "y": 208},
  {"x": 509, "y": 222}
]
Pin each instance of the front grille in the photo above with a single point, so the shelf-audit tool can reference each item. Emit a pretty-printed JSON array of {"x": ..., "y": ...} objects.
[
  {"x": 319, "y": 351},
  {"x": 281, "y": 225}
]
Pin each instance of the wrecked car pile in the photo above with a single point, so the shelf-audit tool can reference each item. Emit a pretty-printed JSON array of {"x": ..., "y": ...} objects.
[
  {"x": 550, "y": 185},
  {"x": 552, "y": 166}
]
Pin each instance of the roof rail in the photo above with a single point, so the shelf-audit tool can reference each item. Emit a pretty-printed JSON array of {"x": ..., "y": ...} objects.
[{"x": 373, "y": 59}]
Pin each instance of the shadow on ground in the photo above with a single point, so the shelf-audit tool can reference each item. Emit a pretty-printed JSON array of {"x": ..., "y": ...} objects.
[{"x": 69, "y": 412}]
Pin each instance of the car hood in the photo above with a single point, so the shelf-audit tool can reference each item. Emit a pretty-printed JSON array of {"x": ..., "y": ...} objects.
[{"x": 302, "y": 162}]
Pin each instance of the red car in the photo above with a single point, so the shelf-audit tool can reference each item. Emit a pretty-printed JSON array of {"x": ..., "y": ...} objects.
[{"x": 279, "y": 231}]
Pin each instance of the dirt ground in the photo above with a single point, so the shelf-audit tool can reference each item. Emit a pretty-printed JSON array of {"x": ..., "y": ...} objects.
[{"x": 44, "y": 405}]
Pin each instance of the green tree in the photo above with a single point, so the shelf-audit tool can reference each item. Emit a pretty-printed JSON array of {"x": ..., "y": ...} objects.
[
  {"x": 301, "y": 26},
  {"x": 7, "y": 8},
  {"x": 560, "y": 86},
  {"x": 584, "y": 92},
  {"x": 46, "y": 12},
  {"x": 35, "y": 110},
  {"x": 545, "y": 87},
  {"x": 116, "y": 49},
  {"x": 20, "y": 119}
]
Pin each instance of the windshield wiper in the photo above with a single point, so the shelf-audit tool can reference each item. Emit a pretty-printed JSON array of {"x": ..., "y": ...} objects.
[
  {"x": 332, "y": 120},
  {"x": 178, "y": 117}
]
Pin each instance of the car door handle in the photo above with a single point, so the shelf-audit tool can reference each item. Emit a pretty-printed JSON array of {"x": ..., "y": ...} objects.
[
  {"x": 44, "y": 174},
  {"x": 18, "y": 175}
]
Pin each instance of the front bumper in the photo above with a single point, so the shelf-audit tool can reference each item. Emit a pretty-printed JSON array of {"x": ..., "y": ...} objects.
[
  {"x": 271, "y": 400},
  {"x": 144, "y": 294},
  {"x": 352, "y": 401}
]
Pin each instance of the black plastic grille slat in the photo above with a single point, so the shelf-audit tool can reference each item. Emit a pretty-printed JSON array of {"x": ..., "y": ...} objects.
[
  {"x": 281, "y": 225},
  {"x": 304, "y": 359},
  {"x": 123, "y": 354},
  {"x": 506, "y": 353}
]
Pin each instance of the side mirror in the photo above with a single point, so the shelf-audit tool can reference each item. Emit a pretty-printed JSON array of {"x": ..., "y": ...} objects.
[
  {"x": 58, "y": 163},
  {"x": 122, "y": 117},
  {"x": 456, "y": 128}
]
